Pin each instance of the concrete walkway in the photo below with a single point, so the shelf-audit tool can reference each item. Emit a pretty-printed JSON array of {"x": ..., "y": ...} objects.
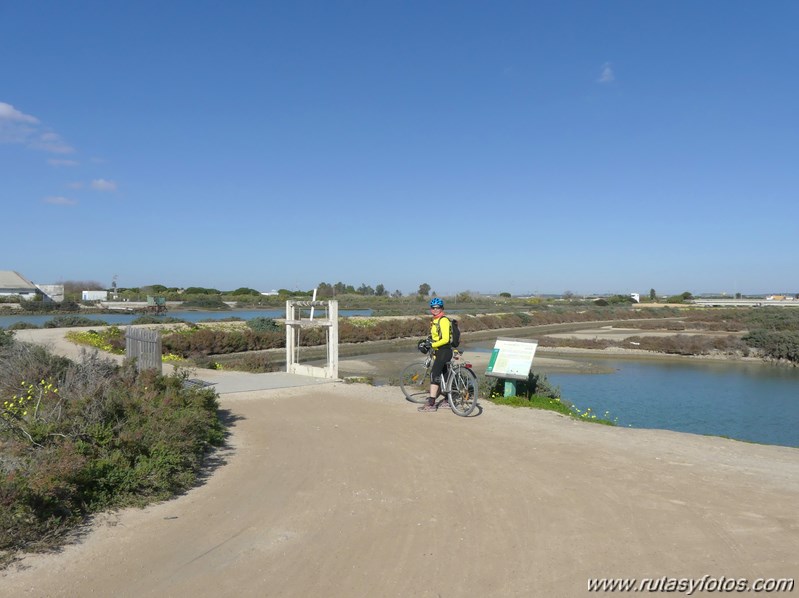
[{"x": 229, "y": 382}]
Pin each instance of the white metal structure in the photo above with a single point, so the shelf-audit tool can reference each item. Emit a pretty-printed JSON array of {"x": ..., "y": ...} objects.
[{"x": 295, "y": 323}]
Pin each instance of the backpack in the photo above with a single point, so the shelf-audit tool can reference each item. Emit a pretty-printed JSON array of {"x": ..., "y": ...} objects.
[{"x": 454, "y": 332}]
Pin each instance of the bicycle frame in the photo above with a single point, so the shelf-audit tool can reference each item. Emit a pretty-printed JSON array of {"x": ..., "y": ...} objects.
[
  {"x": 458, "y": 383},
  {"x": 450, "y": 367}
]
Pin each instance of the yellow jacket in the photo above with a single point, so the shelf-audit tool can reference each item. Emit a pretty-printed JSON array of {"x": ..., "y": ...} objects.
[{"x": 440, "y": 331}]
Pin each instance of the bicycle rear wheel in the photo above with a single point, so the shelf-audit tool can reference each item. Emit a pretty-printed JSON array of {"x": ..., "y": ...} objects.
[
  {"x": 415, "y": 382},
  {"x": 462, "y": 395}
]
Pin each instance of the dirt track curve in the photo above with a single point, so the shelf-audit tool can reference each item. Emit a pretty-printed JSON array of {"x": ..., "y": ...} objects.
[{"x": 345, "y": 490}]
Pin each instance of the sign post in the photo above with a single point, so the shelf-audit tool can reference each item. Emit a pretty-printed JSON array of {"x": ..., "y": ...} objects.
[{"x": 511, "y": 360}]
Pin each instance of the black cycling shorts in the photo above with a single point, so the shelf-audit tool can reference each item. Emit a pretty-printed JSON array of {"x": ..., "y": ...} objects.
[{"x": 443, "y": 357}]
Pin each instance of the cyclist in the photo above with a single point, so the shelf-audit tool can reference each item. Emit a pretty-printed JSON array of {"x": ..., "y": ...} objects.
[{"x": 440, "y": 335}]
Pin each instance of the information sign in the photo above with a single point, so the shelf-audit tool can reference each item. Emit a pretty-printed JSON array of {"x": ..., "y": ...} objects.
[{"x": 512, "y": 358}]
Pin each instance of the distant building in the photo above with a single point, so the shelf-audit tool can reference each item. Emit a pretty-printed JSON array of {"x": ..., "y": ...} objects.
[
  {"x": 13, "y": 283},
  {"x": 52, "y": 292},
  {"x": 269, "y": 293},
  {"x": 94, "y": 296},
  {"x": 636, "y": 297}
]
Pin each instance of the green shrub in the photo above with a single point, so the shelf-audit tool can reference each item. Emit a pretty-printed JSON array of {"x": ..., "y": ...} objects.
[
  {"x": 77, "y": 438},
  {"x": 209, "y": 302},
  {"x": 535, "y": 385},
  {"x": 537, "y": 393},
  {"x": 26, "y": 362},
  {"x": 49, "y": 307},
  {"x": 263, "y": 325},
  {"x": 6, "y": 338},
  {"x": 681, "y": 298},
  {"x": 775, "y": 344},
  {"x": 243, "y": 291},
  {"x": 72, "y": 321}
]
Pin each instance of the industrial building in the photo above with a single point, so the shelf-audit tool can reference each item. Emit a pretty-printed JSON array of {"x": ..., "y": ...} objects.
[{"x": 13, "y": 284}]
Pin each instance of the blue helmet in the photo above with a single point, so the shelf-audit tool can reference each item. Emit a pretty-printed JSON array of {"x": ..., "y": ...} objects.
[{"x": 436, "y": 302}]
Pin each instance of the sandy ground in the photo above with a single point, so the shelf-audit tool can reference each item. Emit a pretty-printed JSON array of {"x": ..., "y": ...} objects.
[{"x": 346, "y": 490}]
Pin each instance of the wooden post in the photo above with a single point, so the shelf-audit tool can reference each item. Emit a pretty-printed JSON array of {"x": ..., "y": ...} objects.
[
  {"x": 291, "y": 337},
  {"x": 332, "y": 341}
]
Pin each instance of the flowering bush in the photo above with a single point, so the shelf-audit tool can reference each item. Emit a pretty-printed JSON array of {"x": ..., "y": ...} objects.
[
  {"x": 110, "y": 339},
  {"x": 78, "y": 438}
]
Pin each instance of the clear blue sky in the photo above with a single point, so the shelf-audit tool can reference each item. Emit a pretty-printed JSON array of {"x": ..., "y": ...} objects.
[{"x": 520, "y": 146}]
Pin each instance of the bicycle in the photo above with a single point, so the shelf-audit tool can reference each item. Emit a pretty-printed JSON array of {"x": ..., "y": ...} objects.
[{"x": 458, "y": 383}]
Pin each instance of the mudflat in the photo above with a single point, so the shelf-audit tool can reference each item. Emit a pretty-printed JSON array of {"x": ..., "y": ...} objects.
[{"x": 344, "y": 490}]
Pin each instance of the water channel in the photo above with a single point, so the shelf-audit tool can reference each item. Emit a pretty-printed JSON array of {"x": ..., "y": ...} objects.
[{"x": 752, "y": 402}]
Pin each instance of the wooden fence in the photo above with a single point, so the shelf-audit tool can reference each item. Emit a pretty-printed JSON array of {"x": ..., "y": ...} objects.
[{"x": 143, "y": 345}]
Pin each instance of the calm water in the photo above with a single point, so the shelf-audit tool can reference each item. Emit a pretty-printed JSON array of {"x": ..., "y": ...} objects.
[
  {"x": 758, "y": 403},
  {"x": 189, "y": 316}
]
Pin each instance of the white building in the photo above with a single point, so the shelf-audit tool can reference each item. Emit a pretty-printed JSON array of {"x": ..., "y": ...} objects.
[{"x": 94, "y": 295}]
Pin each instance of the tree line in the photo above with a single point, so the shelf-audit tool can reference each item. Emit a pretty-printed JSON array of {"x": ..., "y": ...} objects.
[{"x": 326, "y": 290}]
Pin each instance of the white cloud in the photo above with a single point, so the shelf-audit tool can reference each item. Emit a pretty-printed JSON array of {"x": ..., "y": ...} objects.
[
  {"x": 18, "y": 127},
  {"x": 103, "y": 185},
  {"x": 51, "y": 142},
  {"x": 9, "y": 113},
  {"x": 59, "y": 200},
  {"x": 61, "y": 162},
  {"x": 607, "y": 75}
]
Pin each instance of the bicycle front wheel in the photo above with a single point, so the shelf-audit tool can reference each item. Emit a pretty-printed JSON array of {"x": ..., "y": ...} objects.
[
  {"x": 462, "y": 395},
  {"x": 415, "y": 382}
]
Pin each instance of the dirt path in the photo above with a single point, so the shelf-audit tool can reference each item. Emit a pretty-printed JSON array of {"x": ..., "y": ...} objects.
[{"x": 346, "y": 490}]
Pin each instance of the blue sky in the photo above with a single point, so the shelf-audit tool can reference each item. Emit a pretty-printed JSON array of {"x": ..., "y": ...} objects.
[{"x": 527, "y": 147}]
